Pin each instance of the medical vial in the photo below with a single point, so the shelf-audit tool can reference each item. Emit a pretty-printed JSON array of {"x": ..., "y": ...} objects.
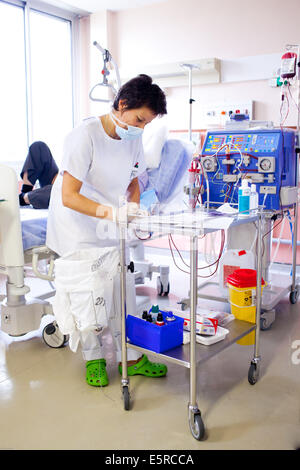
[
  {"x": 160, "y": 319},
  {"x": 144, "y": 315},
  {"x": 154, "y": 311}
]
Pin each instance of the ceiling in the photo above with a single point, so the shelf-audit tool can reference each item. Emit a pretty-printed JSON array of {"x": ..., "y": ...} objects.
[{"x": 92, "y": 6}]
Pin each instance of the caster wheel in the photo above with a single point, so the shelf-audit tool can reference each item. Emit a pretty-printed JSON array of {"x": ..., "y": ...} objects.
[
  {"x": 53, "y": 337},
  {"x": 264, "y": 325},
  {"x": 253, "y": 373},
  {"x": 126, "y": 398},
  {"x": 160, "y": 288},
  {"x": 197, "y": 427},
  {"x": 294, "y": 296}
]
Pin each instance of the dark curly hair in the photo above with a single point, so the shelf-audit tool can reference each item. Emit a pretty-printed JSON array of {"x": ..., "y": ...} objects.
[{"x": 139, "y": 92}]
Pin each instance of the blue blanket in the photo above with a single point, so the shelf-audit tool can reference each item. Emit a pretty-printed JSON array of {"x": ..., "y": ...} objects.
[
  {"x": 159, "y": 184},
  {"x": 34, "y": 227}
]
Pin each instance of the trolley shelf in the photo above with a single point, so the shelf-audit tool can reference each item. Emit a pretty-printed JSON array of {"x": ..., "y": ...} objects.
[
  {"x": 195, "y": 224},
  {"x": 181, "y": 354}
]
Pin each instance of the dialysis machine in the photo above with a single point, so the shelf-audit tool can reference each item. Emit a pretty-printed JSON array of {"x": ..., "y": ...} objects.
[{"x": 268, "y": 159}]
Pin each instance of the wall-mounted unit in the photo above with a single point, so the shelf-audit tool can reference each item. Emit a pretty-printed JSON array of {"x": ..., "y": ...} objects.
[{"x": 174, "y": 74}]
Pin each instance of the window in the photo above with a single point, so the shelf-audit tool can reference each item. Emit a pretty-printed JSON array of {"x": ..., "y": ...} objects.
[
  {"x": 51, "y": 80},
  {"x": 13, "y": 115},
  {"x": 36, "y": 80}
]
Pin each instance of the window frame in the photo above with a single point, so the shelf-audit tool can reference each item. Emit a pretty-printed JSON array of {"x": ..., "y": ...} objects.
[{"x": 73, "y": 18}]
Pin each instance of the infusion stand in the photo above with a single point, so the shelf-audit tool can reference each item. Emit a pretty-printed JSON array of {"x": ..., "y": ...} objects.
[
  {"x": 294, "y": 290},
  {"x": 190, "y": 68}
]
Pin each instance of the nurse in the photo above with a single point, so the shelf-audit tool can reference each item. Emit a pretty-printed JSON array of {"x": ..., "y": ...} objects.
[{"x": 102, "y": 160}]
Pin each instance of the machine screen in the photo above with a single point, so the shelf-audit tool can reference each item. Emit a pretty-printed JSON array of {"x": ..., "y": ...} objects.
[{"x": 258, "y": 143}]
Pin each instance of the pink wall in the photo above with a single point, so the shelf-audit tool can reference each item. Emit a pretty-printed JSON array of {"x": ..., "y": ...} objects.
[
  {"x": 177, "y": 29},
  {"x": 194, "y": 29}
]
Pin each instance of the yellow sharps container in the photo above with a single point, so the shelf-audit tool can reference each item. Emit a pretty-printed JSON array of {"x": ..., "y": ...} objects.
[{"x": 242, "y": 297}]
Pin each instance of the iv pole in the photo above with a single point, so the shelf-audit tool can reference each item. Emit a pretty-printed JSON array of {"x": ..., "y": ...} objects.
[
  {"x": 294, "y": 291},
  {"x": 190, "y": 68}
]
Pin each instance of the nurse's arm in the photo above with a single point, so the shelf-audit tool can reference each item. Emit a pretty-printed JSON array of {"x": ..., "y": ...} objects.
[
  {"x": 72, "y": 199},
  {"x": 133, "y": 191}
]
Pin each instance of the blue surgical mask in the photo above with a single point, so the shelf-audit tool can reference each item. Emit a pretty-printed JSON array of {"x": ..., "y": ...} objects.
[{"x": 131, "y": 133}]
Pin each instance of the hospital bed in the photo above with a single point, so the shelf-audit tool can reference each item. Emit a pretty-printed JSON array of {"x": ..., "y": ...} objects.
[{"x": 23, "y": 243}]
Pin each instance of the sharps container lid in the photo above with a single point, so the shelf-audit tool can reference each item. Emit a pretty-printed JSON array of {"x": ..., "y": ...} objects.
[{"x": 242, "y": 278}]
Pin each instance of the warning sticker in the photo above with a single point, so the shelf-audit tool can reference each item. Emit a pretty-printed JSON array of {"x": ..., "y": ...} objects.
[{"x": 248, "y": 298}]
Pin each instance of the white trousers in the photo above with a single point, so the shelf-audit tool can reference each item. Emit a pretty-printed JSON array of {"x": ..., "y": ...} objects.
[
  {"x": 91, "y": 345},
  {"x": 88, "y": 300}
]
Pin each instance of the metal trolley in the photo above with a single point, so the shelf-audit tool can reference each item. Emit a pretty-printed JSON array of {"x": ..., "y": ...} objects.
[{"x": 189, "y": 355}]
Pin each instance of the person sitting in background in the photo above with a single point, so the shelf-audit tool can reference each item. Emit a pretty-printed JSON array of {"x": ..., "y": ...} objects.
[{"x": 39, "y": 166}]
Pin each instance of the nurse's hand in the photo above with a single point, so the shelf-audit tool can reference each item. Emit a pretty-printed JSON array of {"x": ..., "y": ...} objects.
[
  {"x": 128, "y": 212},
  {"x": 121, "y": 215}
]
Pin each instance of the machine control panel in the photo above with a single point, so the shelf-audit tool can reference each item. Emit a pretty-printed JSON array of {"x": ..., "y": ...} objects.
[{"x": 266, "y": 142}]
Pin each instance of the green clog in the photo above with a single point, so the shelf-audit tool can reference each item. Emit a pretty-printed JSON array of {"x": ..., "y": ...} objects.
[
  {"x": 96, "y": 374},
  {"x": 147, "y": 368}
]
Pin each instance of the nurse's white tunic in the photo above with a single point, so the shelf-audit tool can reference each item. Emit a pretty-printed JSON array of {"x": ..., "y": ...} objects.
[{"x": 105, "y": 166}]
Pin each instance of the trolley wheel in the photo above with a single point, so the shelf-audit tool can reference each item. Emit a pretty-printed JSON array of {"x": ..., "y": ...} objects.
[
  {"x": 294, "y": 296},
  {"x": 197, "y": 426},
  {"x": 126, "y": 398},
  {"x": 53, "y": 337},
  {"x": 253, "y": 373},
  {"x": 160, "y": 288},
  {"x": 264, "y": 325}
]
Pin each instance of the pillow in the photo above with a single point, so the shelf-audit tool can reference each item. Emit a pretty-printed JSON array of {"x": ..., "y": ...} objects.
[{"x": 154, "y": 137}]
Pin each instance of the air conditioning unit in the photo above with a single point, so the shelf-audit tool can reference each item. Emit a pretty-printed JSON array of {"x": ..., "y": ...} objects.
[{"x": 175, "y": 74}]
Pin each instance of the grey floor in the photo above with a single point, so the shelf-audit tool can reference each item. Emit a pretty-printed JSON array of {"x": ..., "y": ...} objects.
[{"x": 46, "y": 404}]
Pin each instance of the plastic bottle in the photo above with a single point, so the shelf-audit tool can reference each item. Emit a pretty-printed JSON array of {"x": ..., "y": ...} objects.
[
  {"x": 232, "y": 260},
  {"x": 160, "y": 319},
  {"x": 154, "y": 310},
  {"x": 253, "y": 198},
  {"x": 244, "y": 198},
  {"x": 149, "y": 318}
]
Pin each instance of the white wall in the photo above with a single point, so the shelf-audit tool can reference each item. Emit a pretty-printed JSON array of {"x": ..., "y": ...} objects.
[{"x": 194, "y": 29}]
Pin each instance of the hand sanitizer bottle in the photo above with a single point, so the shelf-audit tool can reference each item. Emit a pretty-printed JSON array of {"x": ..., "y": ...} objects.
[
  {"x": 244, "y": 198},
  {"x": 253, "y": 198}
]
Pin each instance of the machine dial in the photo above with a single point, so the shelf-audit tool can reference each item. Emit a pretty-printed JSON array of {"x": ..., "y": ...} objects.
[
  {"x": 209, "y": 164},
  {"x": 265, "y": 164}
]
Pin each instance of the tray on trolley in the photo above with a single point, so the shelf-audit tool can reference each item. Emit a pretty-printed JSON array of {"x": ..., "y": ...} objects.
[{"x": 181, "y": 354}]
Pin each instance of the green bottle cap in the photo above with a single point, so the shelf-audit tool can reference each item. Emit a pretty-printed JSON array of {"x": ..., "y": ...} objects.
[{"x": 155, "y": 308}]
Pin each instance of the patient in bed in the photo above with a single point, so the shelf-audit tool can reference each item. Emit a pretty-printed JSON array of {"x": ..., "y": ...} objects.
[{"x": 39, "y": 166}]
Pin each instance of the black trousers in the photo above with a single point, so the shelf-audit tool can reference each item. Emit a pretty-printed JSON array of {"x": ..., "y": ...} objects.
[{"x": 40, "y": 166}]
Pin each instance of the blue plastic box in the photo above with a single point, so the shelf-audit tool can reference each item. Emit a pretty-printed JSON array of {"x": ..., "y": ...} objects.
[{"x": 154, "y": 337}]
